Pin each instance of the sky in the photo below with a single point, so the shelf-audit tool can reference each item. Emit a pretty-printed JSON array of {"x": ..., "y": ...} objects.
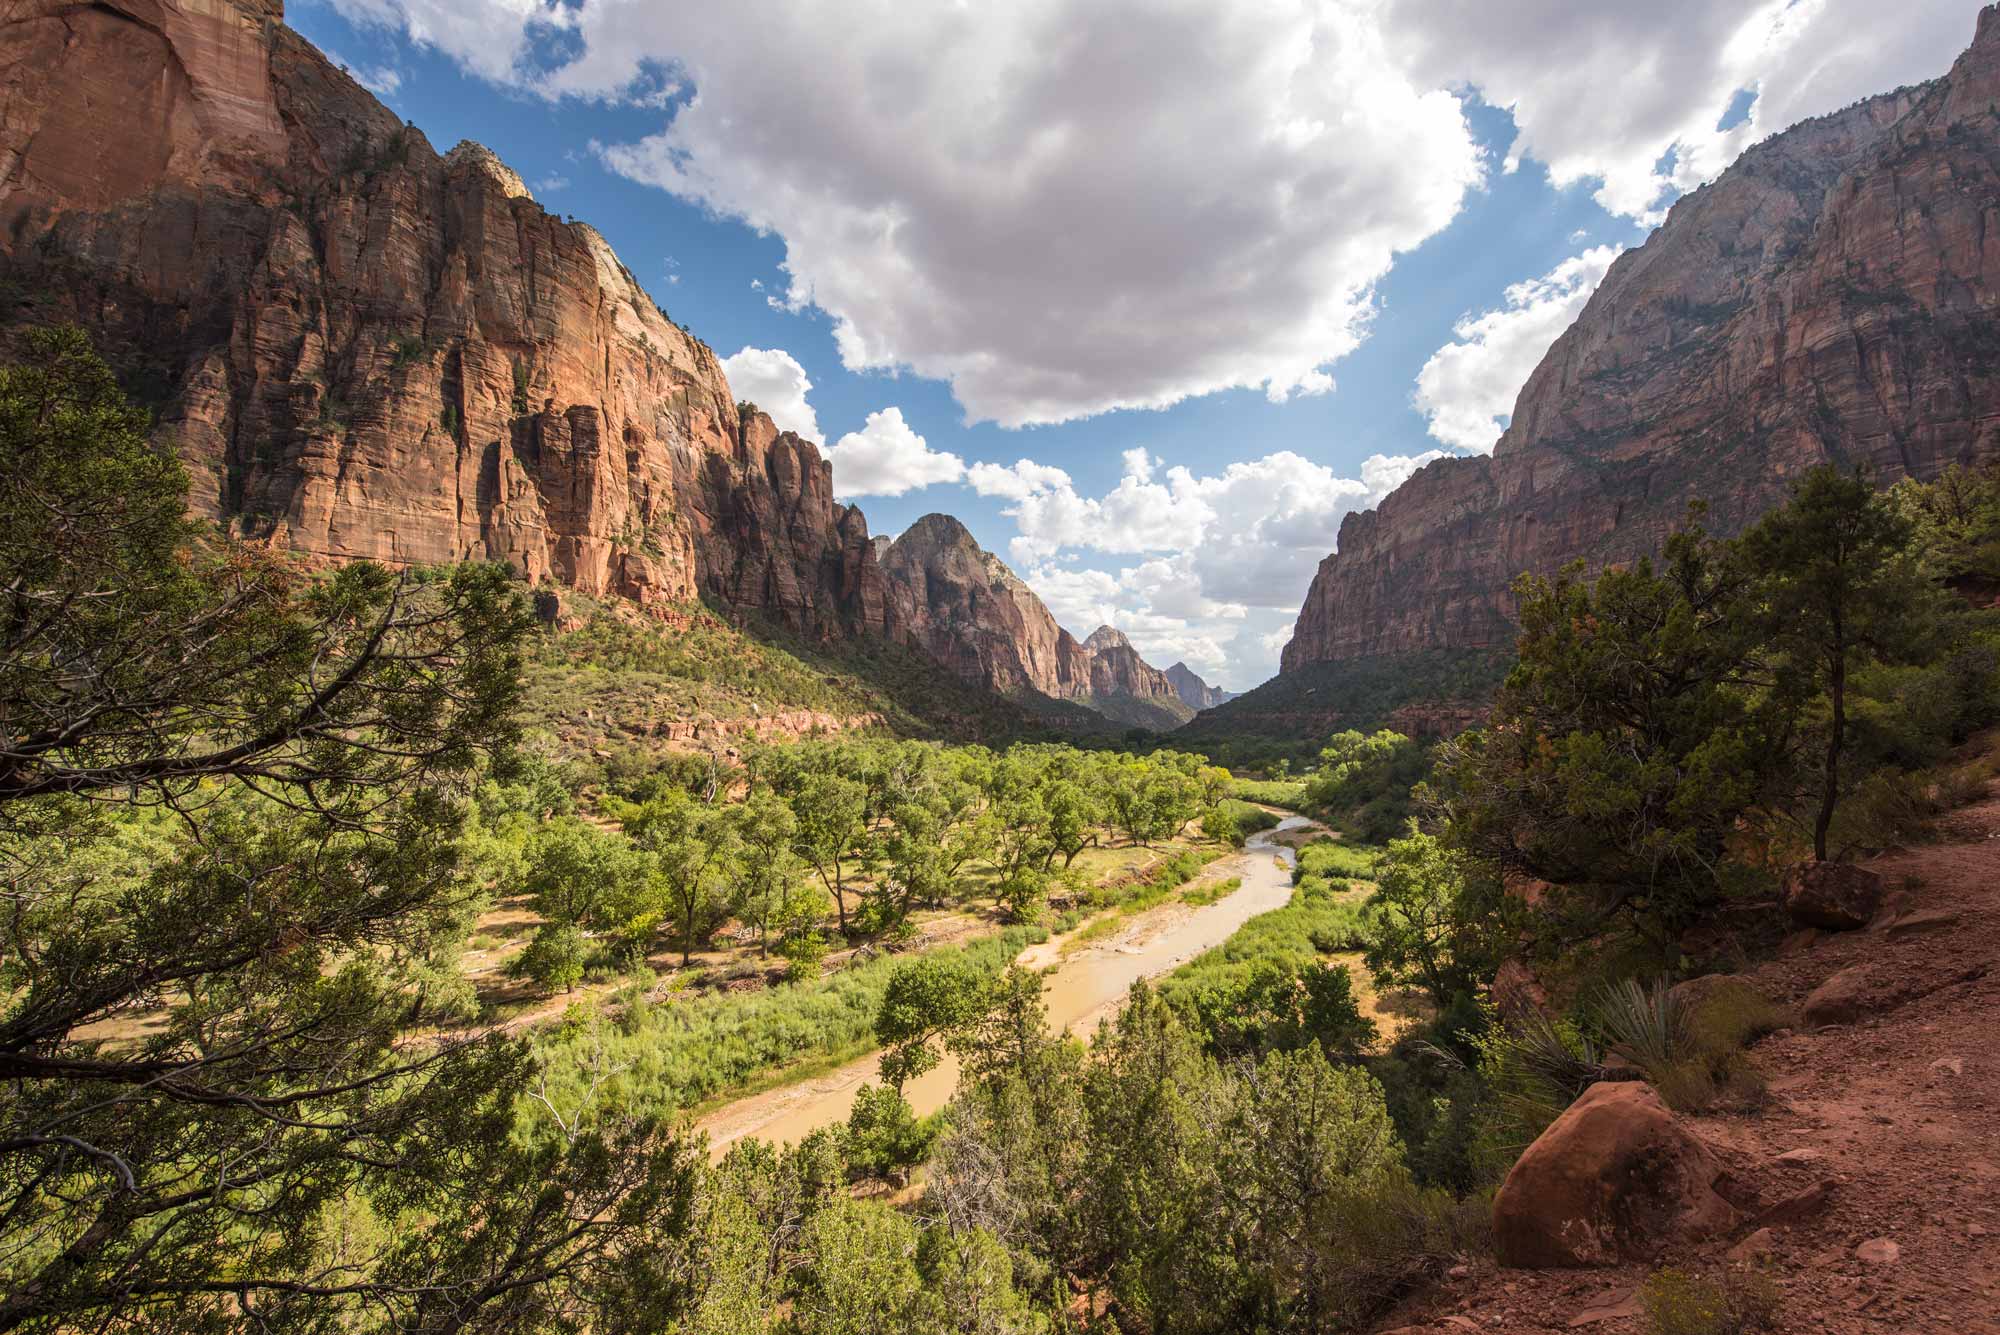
[{"x": 1149, "y": 293}]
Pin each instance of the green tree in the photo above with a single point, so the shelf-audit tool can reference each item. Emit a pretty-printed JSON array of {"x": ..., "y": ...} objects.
[
  {"x": 316, "y": 741},
  {"x": 1437, "y": 920},
  {"x": 926, "y": 1000},
  {"x": 693, "y": 845},
  {"x": 1634, "y": 736},
  {"x": 1840, "y": 589},
  {"x": 766, "y": 870},
  {"x": 830, "y": 811}
]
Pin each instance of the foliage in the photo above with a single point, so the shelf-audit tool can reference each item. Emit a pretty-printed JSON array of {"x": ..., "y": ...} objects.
[
  {"x": 1738, "y": 1300},
  {"x": 1363, "y": 783},
  {"x": 1437, "y": 920},
  {"x": 1629, "y": 743},
  {"x": 1269, "y": 987},
  {"x": 1840, "y": 590},
  {"x": 259, "y": 1139}
]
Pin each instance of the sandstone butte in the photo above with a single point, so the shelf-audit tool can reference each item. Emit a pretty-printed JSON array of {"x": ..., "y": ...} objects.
[
  {"x": 365, "y": 349},
  {"x": 1831, "y": 296}
]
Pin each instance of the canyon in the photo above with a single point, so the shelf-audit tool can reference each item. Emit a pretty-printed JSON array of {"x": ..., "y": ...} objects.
[
  {"x": 364, "y": 349},
  {"x": 1832, "y": 296}
]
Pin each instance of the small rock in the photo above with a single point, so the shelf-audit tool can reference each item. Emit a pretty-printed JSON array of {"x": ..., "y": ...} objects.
[
  {"x": 1841, "y": 999},
  {"x": 1459, "y": 1272},
  {"x": 1975, "y": 1230},
  {"x": 1838, "y": 896},
  {"x": 1612, "y": 1308},
  {"x": 1753, "y": 1248},
  {"x": 1803, "y": 1154},
  {"x": 1948, "y": 1066},
  {"x": 1800, "y": 1205},
  {"x": 1878, "y": 1251},
  {"x": 1930, "y": 920},
  {"x": 1798, "y": 943}
]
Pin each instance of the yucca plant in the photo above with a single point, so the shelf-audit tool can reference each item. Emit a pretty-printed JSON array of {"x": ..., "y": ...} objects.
[{"x": 1645, "y": 1025}]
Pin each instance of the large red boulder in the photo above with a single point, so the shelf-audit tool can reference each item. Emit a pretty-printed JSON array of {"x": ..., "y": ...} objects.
[
  {"x": 1612, "y": 1179},
  {"x": 1835, "y": 895}
]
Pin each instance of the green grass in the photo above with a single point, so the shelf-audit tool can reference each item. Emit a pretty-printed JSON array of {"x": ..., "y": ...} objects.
[
  {"x": 687, "y": 1052},
  {"x": 1333, "y": 860},
  {"x": 610, "y": 688},
  {"x": 1319, "y": 921},
  {"x": 1287, "y": 793},
  {"x": 1202, "y": 895}
]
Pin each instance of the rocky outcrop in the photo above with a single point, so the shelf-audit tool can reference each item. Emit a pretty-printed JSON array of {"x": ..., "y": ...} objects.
[
  {"x": 1615, "y": 1178},
  {"x": 1193, "y": 691},
  {"x": 363, "y": 349},
  {"x": 1834, "y": 295},
  {"x": 949, "y": 598},
  {"x": 1837, "y": 896}
]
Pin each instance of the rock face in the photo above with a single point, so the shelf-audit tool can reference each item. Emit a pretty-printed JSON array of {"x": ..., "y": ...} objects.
[
  {"x": 1612, "y": 1179},
  {"x": 1838, "y": 896},
  {"x": 1193, "y": 691},
  {"x": 1832, "y": 296},
  {"x": 365, "y": 350},
  {"x": 949, "y": 598}
]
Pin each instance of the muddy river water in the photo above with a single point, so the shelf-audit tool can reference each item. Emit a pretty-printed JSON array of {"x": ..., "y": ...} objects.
[{"x": 1087, "y": 984}]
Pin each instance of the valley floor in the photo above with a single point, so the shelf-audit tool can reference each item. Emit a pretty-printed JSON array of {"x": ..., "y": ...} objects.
[
  {"x": 1887, "y": 1128},
  {"x": 1087, "y": 982}
]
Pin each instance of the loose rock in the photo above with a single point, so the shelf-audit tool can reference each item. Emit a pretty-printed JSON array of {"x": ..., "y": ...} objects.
[
  {"x": 1614, "y": 1177},
  {"x": 1837, "y": 896}
]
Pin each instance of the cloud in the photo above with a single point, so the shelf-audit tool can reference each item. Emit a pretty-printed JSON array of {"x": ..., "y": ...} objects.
[
  {"x": 1223, "y": 560},
  {"x": 551, "y": 184},
  {"x": 1060, "y": 208},
  {"x": 772, "y": 379},
  {"x": 381, "y": 80},
  {"x": 1468, "y": 387},
  {"x": 1065, "y": 208},
  {"x": 886, "y": 458},
  {"x": 1631, "y": 96}
]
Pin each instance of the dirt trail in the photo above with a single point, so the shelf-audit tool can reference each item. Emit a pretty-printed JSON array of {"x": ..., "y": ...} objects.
[
  {"x": 1085, "y": 985},
  {"x": 1896, "y": 1115}
]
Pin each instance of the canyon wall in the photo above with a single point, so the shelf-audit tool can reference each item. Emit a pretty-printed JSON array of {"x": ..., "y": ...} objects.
[
  {"x": 1833, "y": 296},
  {"x": 365, "y": 349}
]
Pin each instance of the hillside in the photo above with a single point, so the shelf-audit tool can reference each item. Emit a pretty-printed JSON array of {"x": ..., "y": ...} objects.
[{"x": 1832, "y": 296}]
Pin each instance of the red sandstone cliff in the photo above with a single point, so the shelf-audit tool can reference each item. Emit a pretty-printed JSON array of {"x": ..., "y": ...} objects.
[
  {"x": 1834, "y": 295},
  {"x": 364, "y": 349},
  {"x": 961, "y": 605}
]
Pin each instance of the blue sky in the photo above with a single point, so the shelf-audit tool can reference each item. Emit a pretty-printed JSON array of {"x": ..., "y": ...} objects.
[{"x": 1033, "y": 217}]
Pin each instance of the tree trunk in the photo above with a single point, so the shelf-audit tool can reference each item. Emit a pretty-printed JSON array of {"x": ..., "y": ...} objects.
[{"x": 1830, "y": 779}]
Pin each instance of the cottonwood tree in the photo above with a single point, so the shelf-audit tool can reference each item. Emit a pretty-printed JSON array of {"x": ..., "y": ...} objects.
[{"x": 209, "y": 1118}]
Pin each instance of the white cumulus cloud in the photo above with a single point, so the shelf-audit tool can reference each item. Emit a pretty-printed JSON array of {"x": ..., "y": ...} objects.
[
  {"x": 1603, "y": 93},
  {"x": 1220, "y": 562},
  {"x": 1468, "y": 387},
  {"x": 772, "y": 379},
  {"x": 886, "y": 458}
]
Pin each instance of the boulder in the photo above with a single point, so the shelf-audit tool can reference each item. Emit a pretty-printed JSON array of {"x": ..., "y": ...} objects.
[
  {"x": 1841, "y": 999},
  {"x": 1838, "y": 896},
  {"x": 1614, "y": 1178}
]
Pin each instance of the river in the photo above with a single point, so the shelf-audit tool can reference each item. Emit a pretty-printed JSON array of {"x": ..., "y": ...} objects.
[{"x": 1087, "y": 984}]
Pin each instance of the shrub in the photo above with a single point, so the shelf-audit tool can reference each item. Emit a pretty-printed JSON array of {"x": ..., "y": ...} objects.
[
  {"x": 1736, "y": 1301},
  {"x": 885, "y": 1137}
]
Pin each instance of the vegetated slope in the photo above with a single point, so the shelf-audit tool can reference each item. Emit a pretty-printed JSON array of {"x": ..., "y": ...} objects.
[
  {"x": 1429, "y": 694},
  {"x": 1879, "y": 1127},
  {"x": 364, "y": 349},
  {"x": 619, "y": 688},
  {"x": 1834, "y": 295}
]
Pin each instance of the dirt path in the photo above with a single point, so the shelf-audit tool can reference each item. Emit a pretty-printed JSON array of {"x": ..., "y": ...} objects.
[
  {"x": 1894, "y": 1119},
  {"x": 1085, "y": 985}
]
